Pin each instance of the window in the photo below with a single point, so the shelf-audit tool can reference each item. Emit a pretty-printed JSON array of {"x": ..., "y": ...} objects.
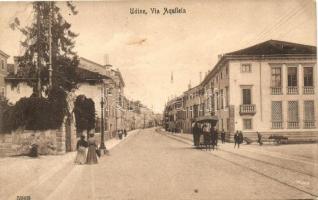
[
  {"x": 277, "y": 111},
  {"x": 308, "y": 76},
  {"x": 292, "y": 76},
  {"x": 221, "y": 99},
  {"x": 246, "y": 68},
  {"x": 247, "y": 124},
  {"x": 309, "y": 111},
  {"x": 276, "y": 77},
  {"x": 247, "y": 96},
  {"x": 277, "y": 114},
  {"x": 293, "y": 119},
  {"x": 2, "y": 64},
  {"x": 227, "y": 70},
  {"x": 217, "y": 101},
  {"x": 226, "y": 96}
]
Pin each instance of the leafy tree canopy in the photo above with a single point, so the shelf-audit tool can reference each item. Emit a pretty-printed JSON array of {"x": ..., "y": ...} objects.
[{"x": 64, "y": 58}]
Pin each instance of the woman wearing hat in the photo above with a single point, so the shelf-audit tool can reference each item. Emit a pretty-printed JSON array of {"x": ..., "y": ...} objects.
[
  {"x": 92, "y": 147},
  {"x": 81, "y": 150}
]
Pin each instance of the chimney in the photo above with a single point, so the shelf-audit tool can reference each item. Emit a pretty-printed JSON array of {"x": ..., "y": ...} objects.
[
  {"x": 220, "y": 56},
  {"x": 200, "y": 77}
]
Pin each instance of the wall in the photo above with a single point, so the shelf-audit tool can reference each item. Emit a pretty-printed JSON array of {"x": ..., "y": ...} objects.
[{"x": 50, "y": 142}]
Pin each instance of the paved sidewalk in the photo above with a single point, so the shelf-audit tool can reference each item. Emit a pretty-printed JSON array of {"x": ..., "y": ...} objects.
[{"x": 21, "y": 175}]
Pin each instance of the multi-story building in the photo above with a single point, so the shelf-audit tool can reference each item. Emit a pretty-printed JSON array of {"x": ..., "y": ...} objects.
[
  {"x": 3, "y": 73},
  {"x": 193, "y": 106},
  {"x": 270, "y": 87}
]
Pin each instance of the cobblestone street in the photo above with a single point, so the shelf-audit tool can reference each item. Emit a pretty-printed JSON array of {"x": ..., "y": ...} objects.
[{"x": 159, "y": 165}]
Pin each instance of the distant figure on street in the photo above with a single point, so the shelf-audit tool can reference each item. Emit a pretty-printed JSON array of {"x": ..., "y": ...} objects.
[
  {"x": 240, "y": 137},
  {"x": 196, "y": 135},
  {"x": 92, "y": 147},
  {"x": 259, "y": 136},
  {"x": 236, "y": 140},
  {"x": 223, "y": 136},
  {"x": 81, "y": 150},
  {"x": 213, "y": 136},
  {"x": 216, "y": 138},
  {"x": 125, "y": 133}
]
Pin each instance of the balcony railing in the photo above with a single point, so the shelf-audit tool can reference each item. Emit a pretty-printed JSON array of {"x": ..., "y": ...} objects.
[
  {"x": 247, "y": 109},
  {"x": 309, "y": 90},
  {"x": 292, "y": 90},
  {"x": 277, "y": 125},
  {"x": 309, "y": 124},
  {"x": 292, "y": 125},
  {"x": 276, "y": 90}
]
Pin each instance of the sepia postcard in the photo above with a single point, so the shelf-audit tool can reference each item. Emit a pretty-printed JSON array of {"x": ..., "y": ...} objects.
[{"x": 158, "y": 100}]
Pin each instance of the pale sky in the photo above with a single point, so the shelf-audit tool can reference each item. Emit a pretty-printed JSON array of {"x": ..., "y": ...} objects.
[{"x": 148, "y": 48}]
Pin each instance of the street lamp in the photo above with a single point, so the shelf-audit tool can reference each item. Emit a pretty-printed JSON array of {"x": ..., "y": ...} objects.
[{"x": 102, "y": 146}]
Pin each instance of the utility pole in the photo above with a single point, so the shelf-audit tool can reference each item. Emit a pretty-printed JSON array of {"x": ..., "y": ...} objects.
[{"x": 50, "y": 44}]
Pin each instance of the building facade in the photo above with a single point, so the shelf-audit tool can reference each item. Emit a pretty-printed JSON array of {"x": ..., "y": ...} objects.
[
  {"x": 270, "y": 87},
  {"x": 3, "y": 73}
]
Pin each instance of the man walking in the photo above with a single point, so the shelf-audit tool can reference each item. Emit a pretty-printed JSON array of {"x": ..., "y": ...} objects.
[
  {"x": 216, "y": 138},
  {"x": 223, "y": 136},
  {"x": 236, "y": 140},
  {"x": 241, "y": 139}
]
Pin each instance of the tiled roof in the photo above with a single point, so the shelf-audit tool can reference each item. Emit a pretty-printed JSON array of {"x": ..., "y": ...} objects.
[{"x": 275, "y": 47}]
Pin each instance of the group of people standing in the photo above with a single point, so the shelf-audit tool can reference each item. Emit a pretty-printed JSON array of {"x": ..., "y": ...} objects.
[
  {"x": 210, "y": 135},
  {"x": 88, "y": 146}
]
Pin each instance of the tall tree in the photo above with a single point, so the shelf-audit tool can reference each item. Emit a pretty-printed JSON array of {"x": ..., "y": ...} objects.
[{"x": 36, "y": 42}]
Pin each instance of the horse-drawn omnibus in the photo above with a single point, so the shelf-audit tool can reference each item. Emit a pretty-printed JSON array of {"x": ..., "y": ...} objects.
[{"x": 202, "y": 131}]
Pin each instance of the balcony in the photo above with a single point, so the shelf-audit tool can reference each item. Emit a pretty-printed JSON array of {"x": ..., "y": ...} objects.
[
  {"x": 276, "y": 91},
  {"x": 247, "y": 109},
  {"x": 277, "y": 125},
  {"x": 292, "y": 90},
  {"x": 309, "y": 124},
  {"x": 292, "y": 125},
  {"x": 308, "y": 90}
]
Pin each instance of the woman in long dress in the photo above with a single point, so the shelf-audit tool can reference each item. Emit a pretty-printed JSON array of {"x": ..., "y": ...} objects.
[
  {"x": 81, "y": 151},
  {"x": 91, "y": 154}
]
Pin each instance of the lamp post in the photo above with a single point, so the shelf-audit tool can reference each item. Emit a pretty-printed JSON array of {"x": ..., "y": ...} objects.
[{"x": 102, "y": 146}]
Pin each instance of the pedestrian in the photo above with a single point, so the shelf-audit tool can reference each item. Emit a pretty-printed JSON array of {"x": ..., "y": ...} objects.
[
  {"x": 223, "y": 136},
  {"x": 216, "y": 138},
  {"x": 92, "y": 150},
  {"x": 236, "y": 140},
  {"x": 259, "y": 136},
  {"x": 34, "y": 147},
  {"x": 196, "y": 135},
  {"x": 81, "y": 150},
  {"x": 213, "y": 135},
  {"x": 241, "y": 139}
]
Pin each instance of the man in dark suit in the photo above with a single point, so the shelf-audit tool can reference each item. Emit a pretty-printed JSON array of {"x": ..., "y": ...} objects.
[
  {"x": 236, "y": 140},
  {"x": 223, "y": 136}
]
